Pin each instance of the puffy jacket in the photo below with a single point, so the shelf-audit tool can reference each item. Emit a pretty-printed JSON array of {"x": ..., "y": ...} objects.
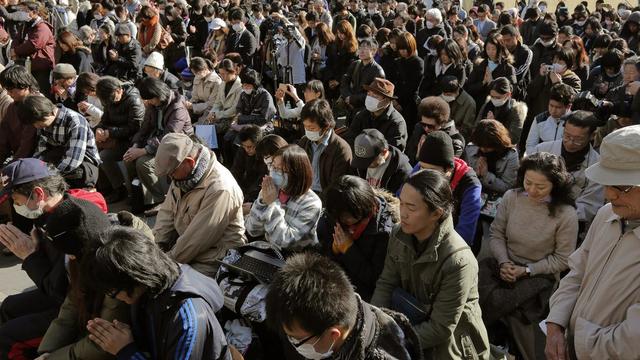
[
  {"x": 127, "y": 65},
  {"x": 396, "y": 173},
  {"x": 390, "y": 123},
  {"x": 256, "y": 108},
  {"x": 512, "y": 115},
  {"x": 454, "y": 329},
  {"x": 38, "y": 43},
  {"x": 123, "y": 119},
  {"x": 203, "y": 93}
]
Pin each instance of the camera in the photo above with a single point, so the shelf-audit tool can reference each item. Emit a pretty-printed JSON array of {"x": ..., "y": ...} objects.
[
  {"x": 549, "y": 68},
  {"x": 603, "y": 110}
]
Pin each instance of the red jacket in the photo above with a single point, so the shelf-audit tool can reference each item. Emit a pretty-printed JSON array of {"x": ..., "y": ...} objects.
[
  {"x": 37, "y": 41},
  {"x": 95, "y": 197}
]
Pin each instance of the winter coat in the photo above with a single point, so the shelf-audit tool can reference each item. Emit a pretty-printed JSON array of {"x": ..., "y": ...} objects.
[
  {"x": 364, "y": 260},
  {"x": 418, "y": 131},
  {"x": 256, "y": 108},
  {"x": 511, "y": 115},
  {"x": 225, "y": 106},
  {"x": 463, "y": 113},
  {"x": 204, "y": 91},
  {"x": 355, "y": 78},
  {"x": 38, "y": 43},
  {"x": 127, "y": 65},
  {"x": 506, "y": 172},
  {"x": 423, "y": 35},
  {"x": 335, "y": 160},
  {"x": 17, "y": 139},
  {"x": 454, "y": 329},
  {"x": 243, "y": 43},
  {"x": 475, "y": 86},
  {"x": 81, "y": 60},
  {"x": 149, "y": 35},
  {"x": 522, "y": 57},
  {"x": 397, "y": 172},
  {"x": 390, "y": 123},
  {"x": 175, "y": 119},
  {"x": 248, "y": 172},
  {"x": 430, "y": 85},
  {"x": 198, "y": 227},
  {"x": 124, "y": 118},
  {"x": 184, "y": 322}
]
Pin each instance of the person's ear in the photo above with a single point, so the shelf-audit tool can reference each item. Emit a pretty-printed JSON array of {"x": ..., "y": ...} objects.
[
  {"x": 39, "y": 194},
  {"x": 191, "y": 161},
  {"x": 335, "y": 333}
]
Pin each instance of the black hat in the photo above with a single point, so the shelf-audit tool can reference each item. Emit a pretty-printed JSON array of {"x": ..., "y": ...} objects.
[
  {"x": 74, "y": 224},
  {"x": 437, "y": 149},
  {"x": 367, "y": 146}
]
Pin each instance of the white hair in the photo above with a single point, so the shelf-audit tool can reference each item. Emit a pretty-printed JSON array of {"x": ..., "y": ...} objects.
[{"x": 435, "y": 13}]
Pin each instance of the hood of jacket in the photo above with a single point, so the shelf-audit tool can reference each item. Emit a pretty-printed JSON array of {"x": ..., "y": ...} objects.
[{"x": 190, "y": 282}]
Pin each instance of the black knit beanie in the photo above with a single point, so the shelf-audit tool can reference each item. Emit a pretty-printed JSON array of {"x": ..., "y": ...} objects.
[
  {"x": 74, "y": 224},
  {"x": 437, "y": 150}
]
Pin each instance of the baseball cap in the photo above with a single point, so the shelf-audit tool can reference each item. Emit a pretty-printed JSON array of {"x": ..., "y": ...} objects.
[
  {"x": 21, "y": 172},
  {"x": 367, "y": 146},
  {"x": 173, "y": 149}
]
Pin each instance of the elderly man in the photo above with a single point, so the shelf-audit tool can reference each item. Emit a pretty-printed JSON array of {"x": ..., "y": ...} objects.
[
  {"x": 201, "y": 217},
  {"x": 595, "y": 313}
]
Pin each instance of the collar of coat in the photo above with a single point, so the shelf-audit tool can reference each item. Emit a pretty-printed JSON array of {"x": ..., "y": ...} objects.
[{"x": 430, "y": 254}]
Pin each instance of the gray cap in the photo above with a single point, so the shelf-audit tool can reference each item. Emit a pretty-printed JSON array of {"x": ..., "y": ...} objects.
[
  {"x": 367, "y": 146},
  {"x": 173, "y": 149}
]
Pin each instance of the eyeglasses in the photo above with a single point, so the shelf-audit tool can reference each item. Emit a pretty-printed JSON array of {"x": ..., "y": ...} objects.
[
  {"x": 624, "y": 189},
  {"x": 299, "y": 343},
  {"x": 574, "y": 140},
  {"x": 113, "y": 293}
]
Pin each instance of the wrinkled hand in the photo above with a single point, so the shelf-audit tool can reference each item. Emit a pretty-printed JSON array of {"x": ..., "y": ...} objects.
[
  {"x": 633, "y": 87},
  {"x": 291, "y": 90},
  {"x": 113, "y": 54},
  {"x": 269, "y": 192},
  {"x": 556, "y": 347},
  {"x": 211, "y": 118},
  {"x": 83, "y": 106},
  {"x": 133, "y": 153},
  {"x": 342, "y": 240},
  {"x": 19, "y": 243},
  {"x": 279, "y": 95},
  {"x": 487, "y": 76},
  {"x": 111, "y": 337},
  {"x": 188, "y": 105}
]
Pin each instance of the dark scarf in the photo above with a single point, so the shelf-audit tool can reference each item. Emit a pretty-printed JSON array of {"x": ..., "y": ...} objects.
[
  {"x": 492, "y": 159},
  {"x": 202, "y": 164},
  {"x": 364, "y": 334},
  {"x": 573, "y": 161}
]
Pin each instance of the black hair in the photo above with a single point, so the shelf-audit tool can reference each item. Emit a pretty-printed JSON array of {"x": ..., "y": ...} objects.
[
  {"x": 199, "y": 64},
  {"x": 350, "y": 195},
  {"x": 250, "y": 76},
  {"x": 18, "y": 77},
  {"x": 453, "y": 51},
  {"x": 128, "y": 259},
  {"x": 583, "y": 119},
  {"x": 562, "y": 93},
  {"x": 434, "y": 189},
  {"x": 105, "y": 88},
  {"x": 566, "y": 55},
  {"x": 54, "y": 184},
  {"x": 151, "y": 88},
  {"x": 509, "y": 30},
  {"x": 601, "y": 41},
  {"x": 312, "y": 292},
  {"x": 236, "y": 14},
  {"x": 87, "y": 82},
  {"x": 553, "y": 168},
  {"x": 34, "y": 108},
  {"x": 250, "y": 132},
  {"x": 208, "y": 10},
  {"x": 318, "y": 111},
  {"x": 269, "y": 145},
  {"x": 612, "y": 59}
]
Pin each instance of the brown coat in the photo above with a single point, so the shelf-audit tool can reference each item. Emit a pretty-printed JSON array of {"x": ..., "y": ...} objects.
[
  {"x": 16, "y": 138},
  {"x": 335, "y": 160}
]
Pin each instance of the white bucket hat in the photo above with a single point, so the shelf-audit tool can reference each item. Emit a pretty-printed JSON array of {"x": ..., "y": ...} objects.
[{"x": 619, "y": 159}]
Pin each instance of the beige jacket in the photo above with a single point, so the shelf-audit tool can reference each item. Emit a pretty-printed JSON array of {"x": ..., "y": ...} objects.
[
  {"x": 204, "y": 92},
  {"x": 224, "y": 106},
  {"x": 201, "y": 225},
  {"x": 599, "y": 300}
]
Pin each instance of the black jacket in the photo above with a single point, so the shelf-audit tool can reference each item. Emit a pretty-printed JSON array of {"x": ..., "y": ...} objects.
[
  {"x": 522, "y": 57},
  {"x": 248, "y": 172},
  {"x": 390, "y": 123},
  {"x": 179, "y": 323},
  {"x": 81, "y": 60},
  {"x": 477, "y": 89},
  {"x": 127, "y": 65},
  {"x": 243, "y": 43},
  {"x": 46, "y": 269},
  {"x": 124, "y": 118},
  {"x": 541, "y": 55},
  {"x": 397, "y": 171},
  {"x": 338, "y": 61},
  {"x": 407, "y": 79},
  {"x": 423, "y": 35},
  {"x": 430, "y": 85},
  {"x": 364, "y": 260},
  {"x": 172, "y": 81},
  {"x": 355, "y": 78},
  {"x": 450, "y": 128},
  {"x": 256, "y": 108}
]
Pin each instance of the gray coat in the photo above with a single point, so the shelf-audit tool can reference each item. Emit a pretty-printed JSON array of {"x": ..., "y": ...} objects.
[{"x": 506, "y": 170}]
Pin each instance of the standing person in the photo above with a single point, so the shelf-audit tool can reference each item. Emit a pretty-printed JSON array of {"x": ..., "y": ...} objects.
[
  {"x": 497, "y": 63},
  {"x": 446, "y": 312},
  {"x": 124, "y": 60},
  {"x": 410, "y": 70},
  {"x": 65, "y": 139},
  {"x": 593, "y": 314},
  {"x": 178, "y": 300},
  {"x": 359, "y": 74},
  {"x": 522, "y": 57},
  {"x": 36, "y": 42},
  {"x": 483, "y": 23},
  {"x": 434, "y": 26},
  {"x": 339, "y": 58},
  {"x": 241, "y": 40}
]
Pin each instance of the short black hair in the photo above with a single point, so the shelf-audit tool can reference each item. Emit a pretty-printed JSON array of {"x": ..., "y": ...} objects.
[
  {"x": 553, "y": 168},
  {"x": 18, "y": 77},
  {"x": 151, "y": 88},
  {"x": 34, "y": 108},
  {"x": 105, "y": 88},
  {"x": 562, "y": 93},
  {"x": 509, "y": 30},
  {"x": 269, "y": 145},
  {"x": 567, "y": 55},
  {"x": 318, "y": 111},
  {"x": 435, "y": 190},
  {"x": 236, "y": 14},
  {"x": 312, "y": 292},
  {"x": 250, "y": 132},
  {"x": 583, "y": 119},
  {"x": 251, "y": 77},
  {"x": 434, "y": 107},
  {"x": 612, "y": 59},
  {"x": 350, "y": 195}
]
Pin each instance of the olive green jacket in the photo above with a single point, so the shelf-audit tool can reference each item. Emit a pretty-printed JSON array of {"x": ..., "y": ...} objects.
[{"x": 454, "y": 329}]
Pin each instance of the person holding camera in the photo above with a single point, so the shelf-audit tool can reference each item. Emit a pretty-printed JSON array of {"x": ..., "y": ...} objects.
[{"x": 290, "y": 53}]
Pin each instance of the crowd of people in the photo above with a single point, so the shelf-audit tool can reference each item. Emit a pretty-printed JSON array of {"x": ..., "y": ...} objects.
[{"x": 435, "y": 179}]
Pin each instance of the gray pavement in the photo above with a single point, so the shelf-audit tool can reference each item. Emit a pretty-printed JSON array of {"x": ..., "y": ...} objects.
[{"x": 13, "y": 279}]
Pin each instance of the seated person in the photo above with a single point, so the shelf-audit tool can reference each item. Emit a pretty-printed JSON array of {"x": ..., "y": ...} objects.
[
  {"x": 124, "y": 61},
  {"x": 268, "y": 146},
  {"x": 425, "y": 246},
  {"x": 248, "y": 169},
  {"x": 121, "y": 120},
  {"x": 63, "y": 90},
  {"x": 380, "y": 114},
  {"x": 313, "y": 90},
  {"x": 549, "y": 125},
  {"x": 225, "y": 105},
  {"x": 206, "y": 84},
  {"x": 434, "y": 115},
  {"x": 132, "y": 268},
  {"x": 330, "y": 155},
  {"x": 501, "y": 106},
  {"x": 65, "y": 139},
  {"x": 287, "y": 210},
  {"x": 462, "y": 106},
  {"x": 437, "y": 153},
  {"x": 165, "y": 113},
  {"x": 154, "y": 67},
  {"x": 344, "y": 330},
  {"x": 533, "y": 234},
  {"x": 354, "y": 229},
  {"x": 87, "y": 102},
  {"x": 382, "y": 165},
  {"x": 202, "y": 216}
]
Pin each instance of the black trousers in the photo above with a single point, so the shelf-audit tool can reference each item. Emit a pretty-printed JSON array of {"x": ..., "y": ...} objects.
[{"x": 25, "y": 318}]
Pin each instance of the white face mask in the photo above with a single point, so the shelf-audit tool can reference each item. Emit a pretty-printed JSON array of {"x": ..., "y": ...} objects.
[
  {"x": 21, "y": 16},
  {"x": 308, "y": 351},
  {"x": 558, "y": 68},
  {"x": 448, "y": 98},
  {"x": 237, "y": 27},
  {"x": 581, "y": 23},
  {"x": 372, "y": 104},
  {"x": 23, "y": 210},
  {"x": 547, "y": 43},
  {"x": 542, "y": 8},
  {"x": 313, "y": 135},
  {"x": 430, "y": 25},
  {"x": 499, "y": 102},
  {"x": 247, "y": 91}
]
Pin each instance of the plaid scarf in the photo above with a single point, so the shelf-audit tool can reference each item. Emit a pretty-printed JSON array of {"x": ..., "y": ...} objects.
[{"x": 202, "y": 164}]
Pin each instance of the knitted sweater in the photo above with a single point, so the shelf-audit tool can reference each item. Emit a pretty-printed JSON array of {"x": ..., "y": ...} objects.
[{"x": 525, "y": 233}]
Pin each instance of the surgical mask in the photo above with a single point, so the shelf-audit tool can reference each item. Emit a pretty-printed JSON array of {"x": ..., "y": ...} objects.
[
  {"x": 280, "y": 179},
  {"x": 448, "y": 98},
  {"x": 308, "y": 351},
  {"x": 21, "y": 16},
  {"x": 247, "y": 91},
  {"x": 237, "y": 27},
  {"x": 430, "y": 25},
  {"x": 372, "y": 104},
  {"x": 558, "y": 68},
  {"x": 542, "y": 8},
  {"x": 312, "y": 135},
  {"x": 581, "y": 23},
  {"x": 24, "y": 211},
  {"x": 547, "y": 43},
  {"x": 499, "y": 102},
  {"x": 98, "y": 17}
]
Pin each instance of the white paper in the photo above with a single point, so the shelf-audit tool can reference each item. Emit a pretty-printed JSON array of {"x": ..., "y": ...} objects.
[
  {"x": 543, "y": 326},
  {"x": 208, "y": 134}
]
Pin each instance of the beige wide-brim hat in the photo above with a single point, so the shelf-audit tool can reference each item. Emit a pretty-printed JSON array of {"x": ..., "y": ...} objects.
[{"x": 619, "y": 159}]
